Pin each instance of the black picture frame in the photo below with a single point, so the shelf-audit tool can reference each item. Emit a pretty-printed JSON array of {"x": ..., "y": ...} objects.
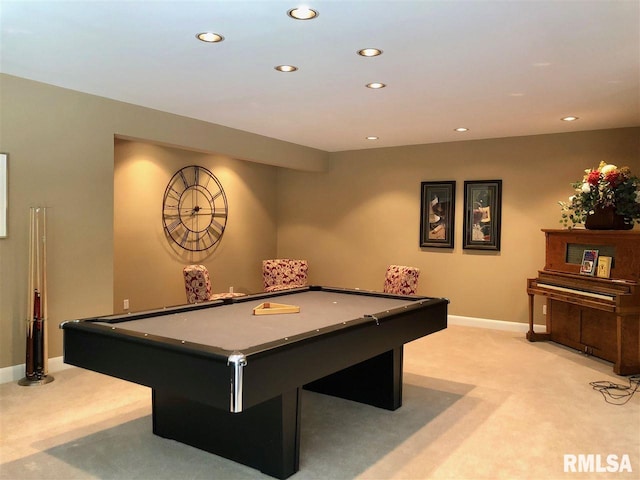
[
  {"x": 482, "y": 214},
  {"x": 437, "y": 214}
]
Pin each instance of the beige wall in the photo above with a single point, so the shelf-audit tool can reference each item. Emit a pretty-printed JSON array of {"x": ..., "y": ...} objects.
[
  {"x": 148, "y": 267},
  {"x": 364, "y": 213},
  {"x": 349, "y": 213},
  {"x": 61, "y": 155}
]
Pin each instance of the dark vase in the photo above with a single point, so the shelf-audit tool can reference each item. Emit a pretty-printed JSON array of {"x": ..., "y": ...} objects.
[{"x": 606, "y": 218}]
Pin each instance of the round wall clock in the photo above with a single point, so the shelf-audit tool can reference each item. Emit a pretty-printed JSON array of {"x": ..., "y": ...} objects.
[{"x": 194, "y": 209}]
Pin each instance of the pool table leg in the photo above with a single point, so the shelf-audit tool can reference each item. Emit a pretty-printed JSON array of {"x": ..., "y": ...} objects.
[
  {"x": 265, "y": 436},
  {"x": 376, "y": 381}
]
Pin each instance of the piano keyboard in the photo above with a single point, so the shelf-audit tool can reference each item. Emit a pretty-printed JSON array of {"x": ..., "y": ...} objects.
[{"x": 599, "y": 296}]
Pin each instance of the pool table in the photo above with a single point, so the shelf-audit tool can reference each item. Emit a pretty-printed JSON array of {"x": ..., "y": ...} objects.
[{"x": 229, "y": 382}]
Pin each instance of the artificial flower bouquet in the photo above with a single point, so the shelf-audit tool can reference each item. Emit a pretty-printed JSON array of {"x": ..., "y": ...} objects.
[{"x": 605, "y": 187}]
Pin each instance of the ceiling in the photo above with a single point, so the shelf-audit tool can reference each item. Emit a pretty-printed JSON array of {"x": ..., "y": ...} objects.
[{"x": 498, "y": 68}]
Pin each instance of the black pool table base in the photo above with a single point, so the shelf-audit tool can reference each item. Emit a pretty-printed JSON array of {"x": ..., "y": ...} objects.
[{"x": 267, "y": 436}]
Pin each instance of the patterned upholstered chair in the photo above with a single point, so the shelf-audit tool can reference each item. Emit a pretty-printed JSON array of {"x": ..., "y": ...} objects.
[
  {"x": 197, "y": 284},
  {"x": 401, "y": 280},
  {"x": 283, "y": 273}
]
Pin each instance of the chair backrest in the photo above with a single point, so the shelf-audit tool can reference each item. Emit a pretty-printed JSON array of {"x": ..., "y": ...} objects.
[
  {"x": 197, "y": 283},
  {"x": 401, "y": 280},
  {"x": 284, "y": 273}
]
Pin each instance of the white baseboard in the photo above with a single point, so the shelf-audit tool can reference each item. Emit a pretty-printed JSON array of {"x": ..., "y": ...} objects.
[
  {"x": 486, "y": 323},
  {"x": 16, "y": 372}
]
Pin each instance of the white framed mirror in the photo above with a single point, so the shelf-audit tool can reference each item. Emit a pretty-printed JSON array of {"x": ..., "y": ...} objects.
[{"x": 4, "y": 185}]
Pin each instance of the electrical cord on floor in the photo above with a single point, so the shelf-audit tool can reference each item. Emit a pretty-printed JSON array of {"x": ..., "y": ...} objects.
[{"x": 615, "y": 393}]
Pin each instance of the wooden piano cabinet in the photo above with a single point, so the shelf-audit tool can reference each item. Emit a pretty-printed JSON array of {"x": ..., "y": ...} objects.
[
  {"x": 597, "y": 316},
  {"x": 626, "y": 244},
  {"x": 594, "y": 332}
]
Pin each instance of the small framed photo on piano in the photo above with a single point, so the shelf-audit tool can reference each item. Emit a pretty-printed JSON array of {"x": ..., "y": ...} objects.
[
  {"x": 604, "y": 267},
  {"x": 589, "y": 262}
]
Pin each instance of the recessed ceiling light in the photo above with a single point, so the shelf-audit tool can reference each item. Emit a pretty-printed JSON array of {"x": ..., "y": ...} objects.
[
  {"x": 209, "y": 37},
  {"x": 461, "y": 129},
  {"x": 372, "y": 137},
  {"x": 375, "y": 85},
  {"x": 369, "y": 52},
  {"x": 286, "y": 68},
  {"x": 302, "y": 13},
  {"x": 570, "y": 118}
]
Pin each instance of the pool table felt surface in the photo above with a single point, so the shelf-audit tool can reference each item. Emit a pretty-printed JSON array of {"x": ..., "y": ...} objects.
[{"x": 235, "y": 328}]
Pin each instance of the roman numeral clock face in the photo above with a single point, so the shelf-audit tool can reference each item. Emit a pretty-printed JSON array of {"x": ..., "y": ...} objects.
[{"x": 194, "y": 209}]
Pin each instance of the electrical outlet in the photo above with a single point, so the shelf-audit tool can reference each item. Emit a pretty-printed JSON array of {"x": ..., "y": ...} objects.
[
  {"x": 125, "y": 304},
  {"x": 544, "y": 309}
]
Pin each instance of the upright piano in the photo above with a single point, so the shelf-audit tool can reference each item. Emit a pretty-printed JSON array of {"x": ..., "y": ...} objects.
[{"x": 598, "y": 316}]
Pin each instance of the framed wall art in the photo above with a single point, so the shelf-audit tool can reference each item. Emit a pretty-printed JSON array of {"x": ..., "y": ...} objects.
[
  {"x": 437, "y": 211},
  {"x": 482, "y": 215},
  {"x": 4, "y": 197}
]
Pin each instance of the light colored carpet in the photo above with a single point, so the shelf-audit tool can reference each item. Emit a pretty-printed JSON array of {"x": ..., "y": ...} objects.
[{"x": 478, "y": 404}]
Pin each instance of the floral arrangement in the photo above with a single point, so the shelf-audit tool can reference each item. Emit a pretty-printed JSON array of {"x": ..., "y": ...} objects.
[{"x": 605, "y": 186}]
